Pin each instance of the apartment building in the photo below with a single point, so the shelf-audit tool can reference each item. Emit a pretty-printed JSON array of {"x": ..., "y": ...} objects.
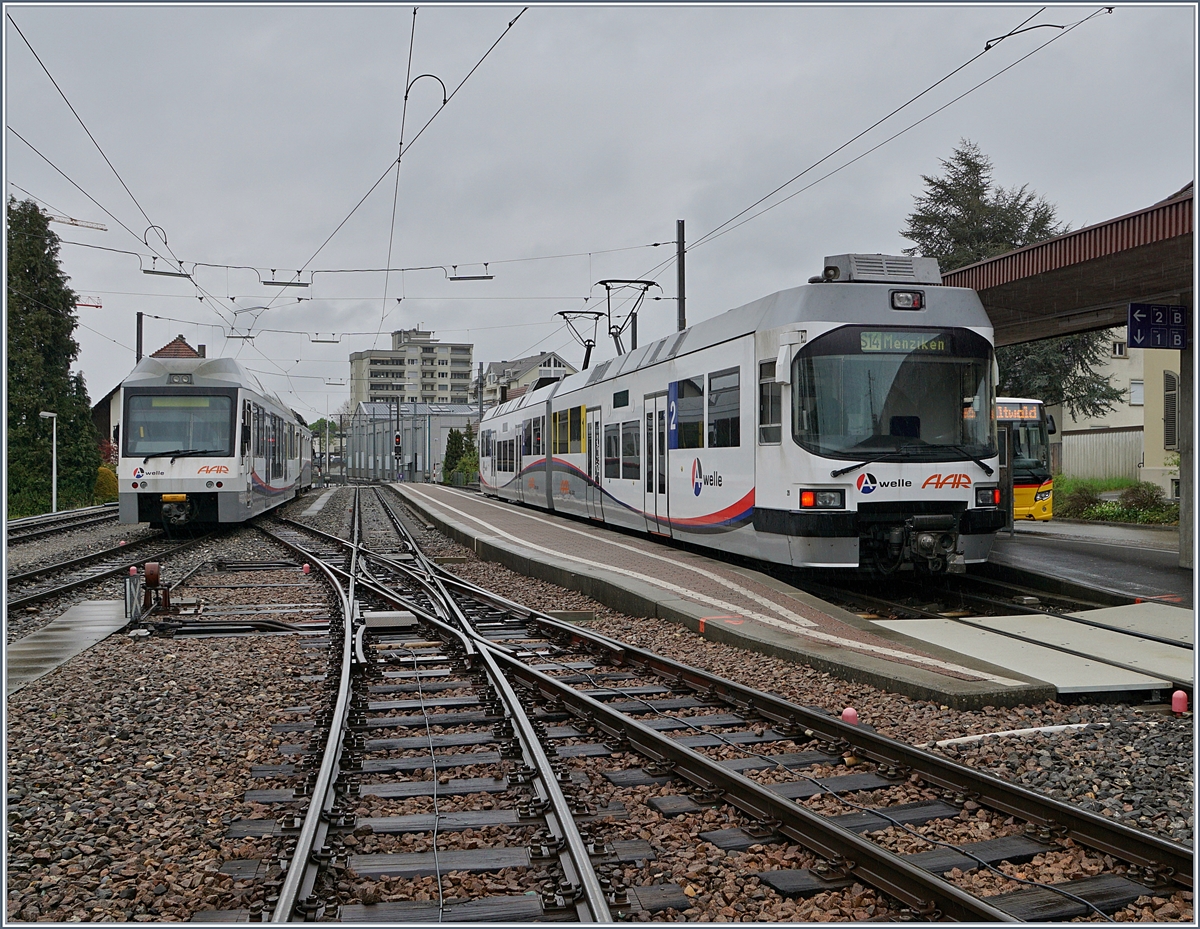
[{"x": 417, "y": 369}]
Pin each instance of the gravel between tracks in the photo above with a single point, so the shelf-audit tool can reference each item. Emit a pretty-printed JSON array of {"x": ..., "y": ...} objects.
[
  {"x": 121, "y": 783},
  {"x": 120, "y": 786},
  {"x": 1138, "y": 771}
]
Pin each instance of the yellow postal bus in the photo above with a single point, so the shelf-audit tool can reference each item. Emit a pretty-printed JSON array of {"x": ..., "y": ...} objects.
[{"x": 1033, "y": 489}]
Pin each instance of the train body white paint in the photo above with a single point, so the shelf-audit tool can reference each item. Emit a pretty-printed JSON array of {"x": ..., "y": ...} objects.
[
  {"x": 830, "y": 425},
  {"x": 201, "y": 441}
]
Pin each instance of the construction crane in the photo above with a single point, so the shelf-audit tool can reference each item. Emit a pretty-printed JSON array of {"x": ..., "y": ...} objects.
[{"x": 54, "y": 218}]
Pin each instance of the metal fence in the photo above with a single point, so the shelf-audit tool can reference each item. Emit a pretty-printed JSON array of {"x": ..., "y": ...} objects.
[{"x": 1101, "y": 453}]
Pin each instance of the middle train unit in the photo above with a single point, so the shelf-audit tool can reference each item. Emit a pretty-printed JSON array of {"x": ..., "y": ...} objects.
[{"x": 847, "y": 422}]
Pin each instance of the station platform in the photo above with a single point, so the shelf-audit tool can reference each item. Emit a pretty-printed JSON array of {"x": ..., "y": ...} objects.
[
  {"x": 1128, "y": 561},
  {"x": 1028, "y": 658},
  {"x": 723, "y": 602}
]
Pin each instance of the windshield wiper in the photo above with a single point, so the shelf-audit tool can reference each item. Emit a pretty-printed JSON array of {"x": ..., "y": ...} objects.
[
  {"x": 987, "y": 469},
  {"x": 902, "y": 450},
  {"x": 183, "y": 453}
]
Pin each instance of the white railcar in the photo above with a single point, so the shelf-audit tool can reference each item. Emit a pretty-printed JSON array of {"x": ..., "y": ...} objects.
[
  {"x": 841, "y": 423},
  {"x": 201, "y": 441}
]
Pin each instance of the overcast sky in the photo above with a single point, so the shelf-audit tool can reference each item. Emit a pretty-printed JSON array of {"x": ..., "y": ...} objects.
[{"x": 249, "y": 133}]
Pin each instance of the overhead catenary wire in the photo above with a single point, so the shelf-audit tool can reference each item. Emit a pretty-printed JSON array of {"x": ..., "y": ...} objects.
[
  {"x": 854, "y": 139},
  {"x": 413, "y": 142},
  {"x": 910, "y": 127},
  {"x": 75, "y": 113},
  {"x": 725, "y": 228},
  {"x": 399, "y": 158}
]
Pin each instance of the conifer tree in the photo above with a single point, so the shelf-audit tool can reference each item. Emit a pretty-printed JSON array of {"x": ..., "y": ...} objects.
[
  {"x": 964, "y": 217},
  {"x": 41, "y": 348}
]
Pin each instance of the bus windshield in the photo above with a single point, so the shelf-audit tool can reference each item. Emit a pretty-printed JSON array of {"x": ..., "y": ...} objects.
[
  {"x": 1030, "y": 439},
  {"x": 156, "y": 423},
  {"x": 927, "y": 394}
]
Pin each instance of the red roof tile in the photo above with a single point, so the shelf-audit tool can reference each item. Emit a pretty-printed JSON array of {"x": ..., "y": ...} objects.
[{"x": 176, "y": 348}]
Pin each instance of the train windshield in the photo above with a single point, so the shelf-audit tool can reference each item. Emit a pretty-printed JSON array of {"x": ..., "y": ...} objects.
[
  {"x": 158, "y": 423},
  {"x": 860, "y": 391}
]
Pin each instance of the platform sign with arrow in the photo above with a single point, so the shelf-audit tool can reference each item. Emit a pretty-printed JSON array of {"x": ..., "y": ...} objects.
[{"x": 1156, "y": 325}]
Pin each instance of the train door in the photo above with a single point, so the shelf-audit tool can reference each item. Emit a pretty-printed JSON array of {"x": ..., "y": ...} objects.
[
  {"x": 656, "y": 465},
  {"x": 595, "y": 464}
]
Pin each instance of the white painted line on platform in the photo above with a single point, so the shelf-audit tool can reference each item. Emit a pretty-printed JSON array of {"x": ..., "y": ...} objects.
[
  {"x": 1068, "y": 673},
  {"x": 804, "y": 630}
]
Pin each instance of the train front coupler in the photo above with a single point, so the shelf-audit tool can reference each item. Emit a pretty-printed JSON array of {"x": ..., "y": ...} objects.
[
  {"x": 177, "y": 509},
  {"x": 931, "y": 542}
]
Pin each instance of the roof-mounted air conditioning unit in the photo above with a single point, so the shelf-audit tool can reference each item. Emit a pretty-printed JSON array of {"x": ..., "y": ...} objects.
[{"x": 882, "y": 269}]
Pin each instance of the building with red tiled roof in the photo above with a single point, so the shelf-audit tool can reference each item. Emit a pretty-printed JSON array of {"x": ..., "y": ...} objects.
[{"x": 178, "y": 348}]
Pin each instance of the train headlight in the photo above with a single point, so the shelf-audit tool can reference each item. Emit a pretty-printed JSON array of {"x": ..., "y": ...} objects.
[
  {"x": 908, "y": 300},
  {"x": 1042, "y": 495},
  {"x": 987, "y": 496},
  {"x": 822, "y": 499},
  {"x": 208, "y": 484}
]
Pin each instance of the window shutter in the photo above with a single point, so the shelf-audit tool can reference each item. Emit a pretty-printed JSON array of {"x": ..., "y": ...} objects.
[{"x": 1170, "y": 410}]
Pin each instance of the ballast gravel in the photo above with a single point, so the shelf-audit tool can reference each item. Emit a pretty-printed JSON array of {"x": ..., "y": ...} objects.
[
  {"x": 126, "y": 765},
  {"x": 121, "y": 785}
]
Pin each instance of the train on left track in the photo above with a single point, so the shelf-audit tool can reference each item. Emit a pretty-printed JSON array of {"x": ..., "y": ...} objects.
[
  {"x": 203, "y": 442},
  {"x": 845, "y": 423}
]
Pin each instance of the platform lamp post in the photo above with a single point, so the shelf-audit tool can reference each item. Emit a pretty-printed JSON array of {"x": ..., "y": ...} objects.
[{"x": 53, "y": 417}]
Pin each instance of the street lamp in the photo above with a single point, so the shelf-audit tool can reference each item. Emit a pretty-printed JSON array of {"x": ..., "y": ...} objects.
[{"x": 53, "y": 417}]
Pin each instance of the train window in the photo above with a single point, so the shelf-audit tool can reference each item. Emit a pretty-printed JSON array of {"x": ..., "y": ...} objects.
[
  {"x": 612, "y": 450},
  {"x": 620, "y": 399},
  {"x": 527, "y": 437},
  {"x": 770, "y": 405},
  {"x": 576, "y": 423},
  {"x": 631, "y": 459},
  {"x": 538, "y": 428},
  {"x": 558, "y": 432},
  {"x": 649, "y": 452},
  {"x": 725, "y": 409},
  {"x": 689, "y": 412},
  {"x": 247, "y": 424}
]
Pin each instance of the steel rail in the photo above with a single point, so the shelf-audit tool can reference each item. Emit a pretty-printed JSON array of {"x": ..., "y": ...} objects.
[
  {"x": 594, "y": 906},
  {"x": 577, "y": 861},
  {"x": 1160, "y": 856},
  {"x": 61, "y": 515},
  {"x": 300, "y": 873},
  {"x": 926, "y": 893},
  {"x": 26, "y": 535},
  {"x": 595, "y": 903},
  {"x": 122, "y": 568},
  {"x": 84, "y": 559}
]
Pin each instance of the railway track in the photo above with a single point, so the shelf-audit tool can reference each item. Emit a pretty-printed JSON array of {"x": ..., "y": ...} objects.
[
  {"x": 437, "y": 659},
  {"x": 36, "y": 527},
  {"x": 30, "y": 587}
]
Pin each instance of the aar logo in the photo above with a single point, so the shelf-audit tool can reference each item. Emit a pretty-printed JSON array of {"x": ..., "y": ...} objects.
[
  {"x": 139, "y": 472},
  {"x": 867, "y": 483}
]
